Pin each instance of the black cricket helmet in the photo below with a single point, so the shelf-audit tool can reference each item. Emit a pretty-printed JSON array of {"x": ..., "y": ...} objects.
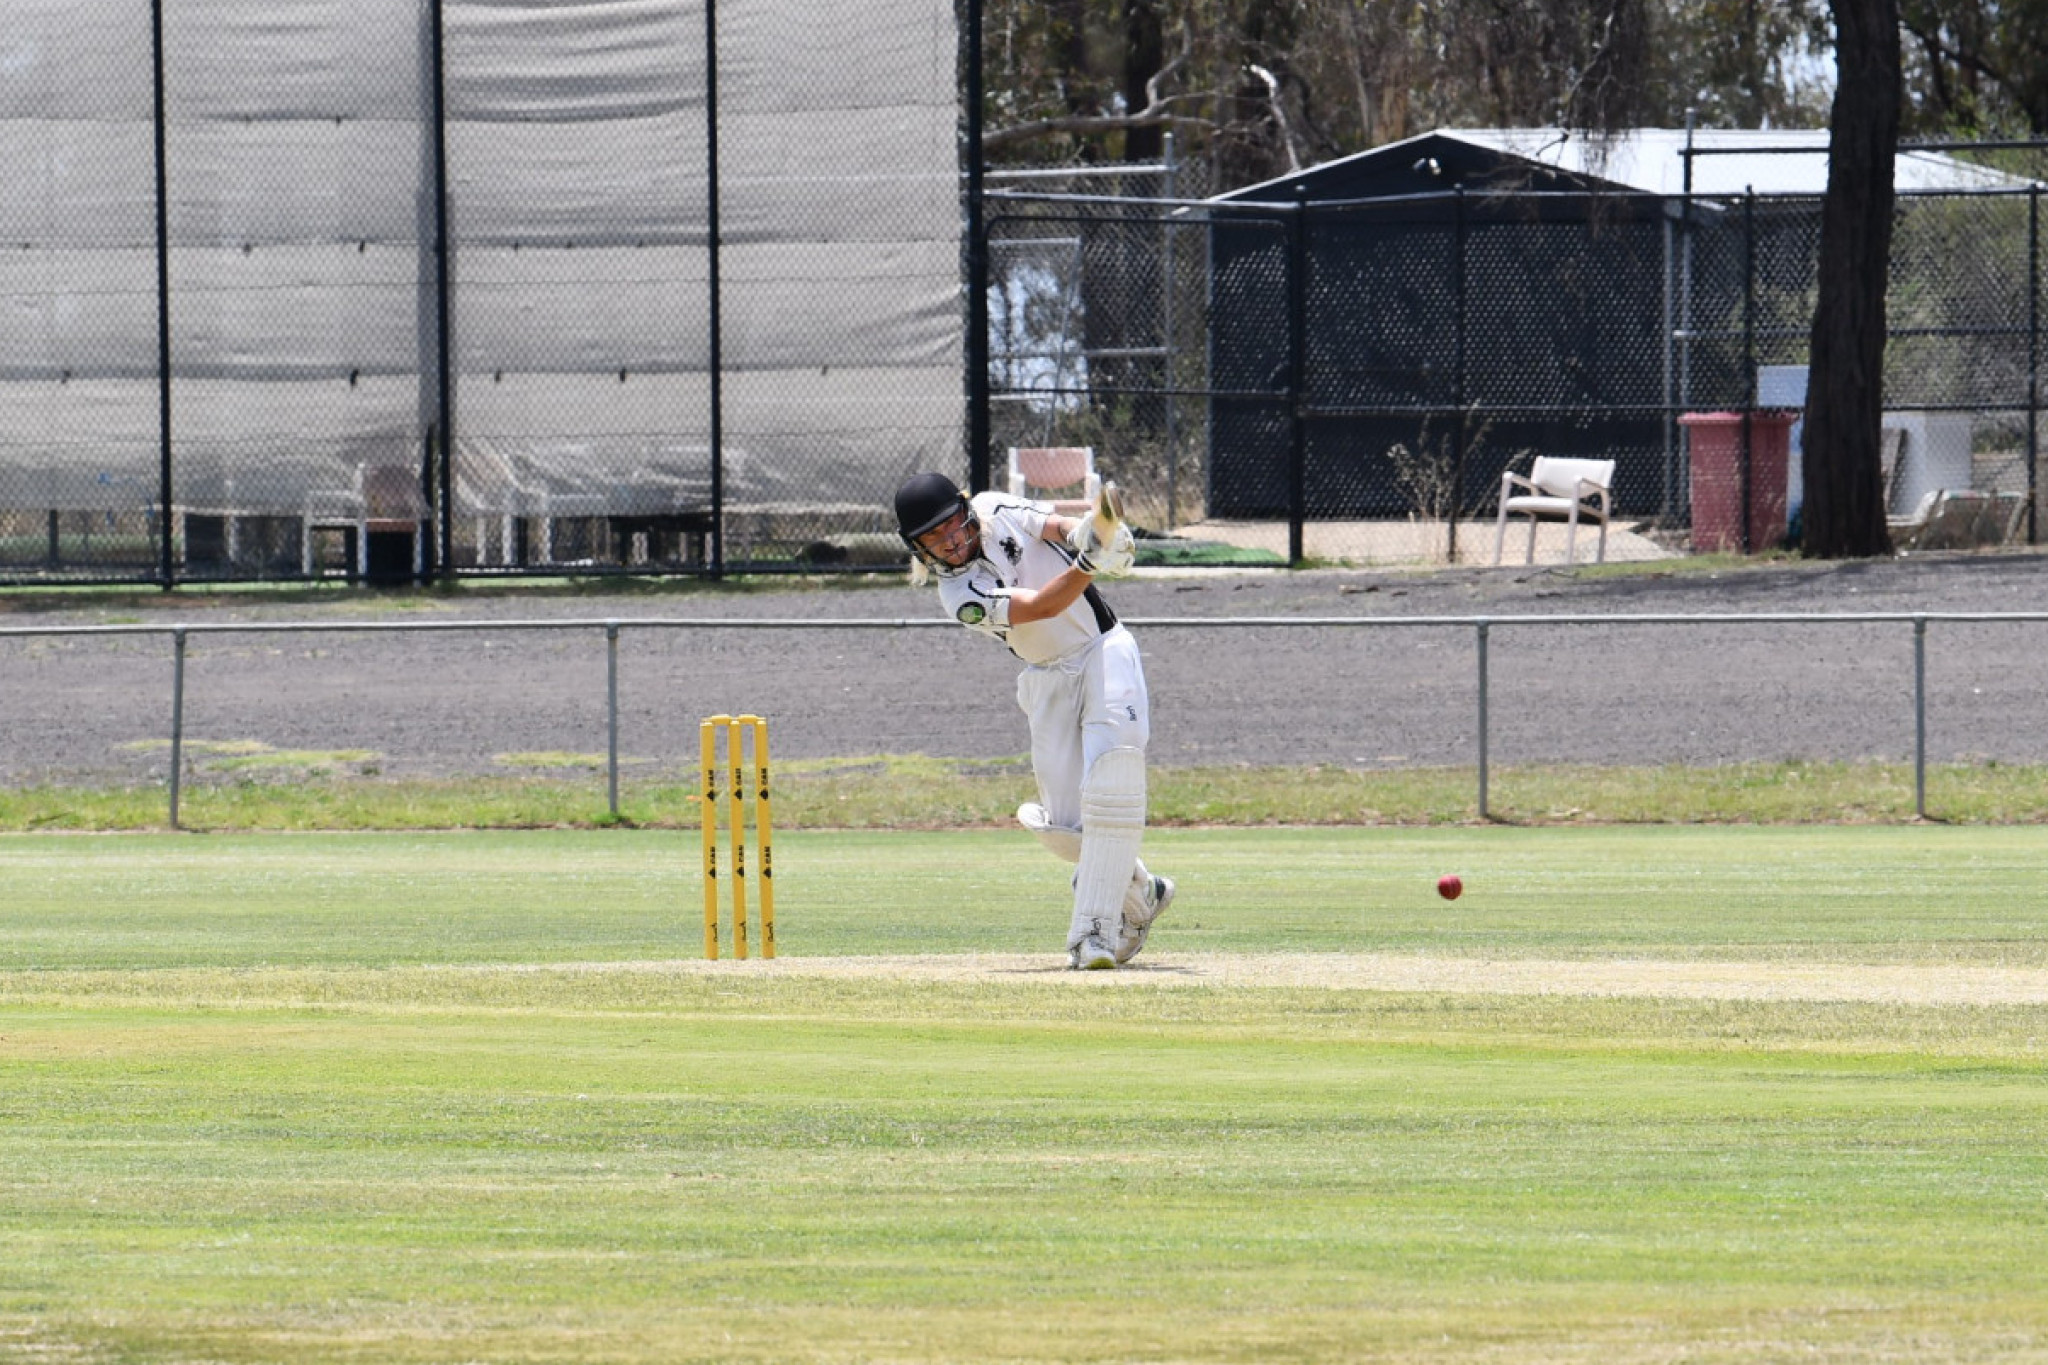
[{"x": 926, "y": 502}]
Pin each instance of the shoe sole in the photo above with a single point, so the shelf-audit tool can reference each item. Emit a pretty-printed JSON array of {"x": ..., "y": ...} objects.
[{"x": 1145, "y": 929}]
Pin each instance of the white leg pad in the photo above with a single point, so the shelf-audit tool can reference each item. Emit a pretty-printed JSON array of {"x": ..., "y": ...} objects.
[
  {"x": 1065, "y": 844},
  {"x": 1112, "y": 828}
]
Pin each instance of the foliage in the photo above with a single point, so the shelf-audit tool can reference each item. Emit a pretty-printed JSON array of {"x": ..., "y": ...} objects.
[
  {"x": 1976, "y": 67},
  {"x": 1428, "y": 476},
  {"x": 1256, "y": 87}
]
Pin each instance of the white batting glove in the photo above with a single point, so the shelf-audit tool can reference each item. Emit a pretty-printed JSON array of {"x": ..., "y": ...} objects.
[
  {"x": 1080, "y": 537},
  {"x": 1113, "y": 560}
]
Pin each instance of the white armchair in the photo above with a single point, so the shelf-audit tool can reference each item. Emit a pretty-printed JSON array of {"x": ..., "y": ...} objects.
[
  {"x": 1041, "y": 473},
  {"x": 1570, "y": 491}
]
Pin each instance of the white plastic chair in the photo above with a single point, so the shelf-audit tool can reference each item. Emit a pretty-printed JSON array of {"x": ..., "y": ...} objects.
[
  {"x": 1569, "y": 491},
  {"x": 1041, "y": 473}
]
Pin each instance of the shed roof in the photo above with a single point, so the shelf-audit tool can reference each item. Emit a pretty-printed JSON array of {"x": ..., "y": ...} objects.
[{"x": 1640, "y": 160}]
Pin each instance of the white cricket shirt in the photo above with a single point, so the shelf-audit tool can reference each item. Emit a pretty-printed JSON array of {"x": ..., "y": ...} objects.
[{"x": 1015, "y": 555}]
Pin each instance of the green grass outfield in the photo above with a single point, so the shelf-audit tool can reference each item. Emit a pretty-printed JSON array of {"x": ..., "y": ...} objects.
[
  {"x": 1643, "y": 1094},
  {"x": 247, "y": 785}
]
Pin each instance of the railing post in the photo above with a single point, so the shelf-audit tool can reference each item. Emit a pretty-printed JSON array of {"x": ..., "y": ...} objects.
[
  {"x": 1920, "y": 717},
  {"x": 177, "y": 718},
  {"x": 611, "y": 706},
  {"x": 1484, "y": 629}
]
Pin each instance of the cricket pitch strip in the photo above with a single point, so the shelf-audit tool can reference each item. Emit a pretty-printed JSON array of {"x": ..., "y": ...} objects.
[{"x": 1886, "y": 983}]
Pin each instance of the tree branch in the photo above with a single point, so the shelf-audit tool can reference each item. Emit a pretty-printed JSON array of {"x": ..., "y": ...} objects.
[
  {"x": 1279, "y": 112},
  {"x": 1157, "y": 111}
]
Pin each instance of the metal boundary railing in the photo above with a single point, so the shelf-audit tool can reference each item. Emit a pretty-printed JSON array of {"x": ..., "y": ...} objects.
[{"x": 1482, "y": 628}]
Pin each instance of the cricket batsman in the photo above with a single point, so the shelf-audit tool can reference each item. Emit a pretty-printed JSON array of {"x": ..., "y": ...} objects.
[{"x": 1017, "y": 572}]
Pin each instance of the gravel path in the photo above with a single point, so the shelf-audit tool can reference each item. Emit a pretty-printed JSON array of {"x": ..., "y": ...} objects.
[{"x": 98, "y": 708}]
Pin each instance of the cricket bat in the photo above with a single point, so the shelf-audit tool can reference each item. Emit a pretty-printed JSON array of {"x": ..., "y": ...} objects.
[{"x": 1107, "y": 513}]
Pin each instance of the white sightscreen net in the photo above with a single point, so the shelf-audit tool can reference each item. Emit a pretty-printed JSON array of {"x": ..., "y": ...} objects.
[
  {"x": 78, "y": 314},
  {"x": 303, "y": 274}
]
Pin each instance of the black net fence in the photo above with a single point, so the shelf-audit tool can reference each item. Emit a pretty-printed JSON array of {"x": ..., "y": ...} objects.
[
  {"x": 402, "y": 289},
  {"x": 405, "y": 288},
  {"x": 1349, "y": 382}
]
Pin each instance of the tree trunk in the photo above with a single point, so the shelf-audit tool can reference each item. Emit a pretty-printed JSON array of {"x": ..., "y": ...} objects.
[{"x": 1844, "y": 512}]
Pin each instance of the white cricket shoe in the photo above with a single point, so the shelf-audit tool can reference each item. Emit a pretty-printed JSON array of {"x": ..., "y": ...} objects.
[
  {"x": 1092, "y": 954},
  {"x": 1131, "y": 934}
]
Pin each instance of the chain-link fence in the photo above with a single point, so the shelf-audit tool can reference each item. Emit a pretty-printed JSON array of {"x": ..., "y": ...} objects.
[
  {"x": 409, "y": 287},
  {"x": 1349, "y": 381}
]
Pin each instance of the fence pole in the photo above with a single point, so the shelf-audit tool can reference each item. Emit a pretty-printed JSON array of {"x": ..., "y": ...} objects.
[
  {"x": 977, "y": 258},
  {"x": 1483, "y": 629},
  {"x": 1169, "y": 374},
  {"x": 1297, "y": 370},
  {"x": 1458, "y": 315},
  {"x": 714, "y": 328},
  {"x": 177, "y": 718},
  {"x": 611, "y": 707},
  {"x": 1920, "y": 717},
  {"x": 2033, "y": 356},
  {"x": 166, "y": 564},
  {"x": 1681, "y": 468},
  {"x": 440, "y": 453},
  {"x": 1746, "y": 480}
]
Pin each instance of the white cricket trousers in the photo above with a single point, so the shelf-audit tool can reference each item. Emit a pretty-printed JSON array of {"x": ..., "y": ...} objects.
[{"x": 1080, "y": 708}]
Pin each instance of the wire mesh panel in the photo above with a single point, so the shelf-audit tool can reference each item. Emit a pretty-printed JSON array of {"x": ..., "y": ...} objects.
[
  {"x": 1959, "y": 329},
  {"x": 1382, "y": 402},
  {"x": 579, "y": 208},
  {"x": 1360, "y": 375},
  {"x": 80, "y": 476},
  {"x": 840, "y": 208},
  {"x": 301, "y": 330},
  {"x": 319, "y": 420},
  {"x": 1499, "y": 328},
  {"x": 698, "y": 307},
  {"x": 1099, "y": 338}
]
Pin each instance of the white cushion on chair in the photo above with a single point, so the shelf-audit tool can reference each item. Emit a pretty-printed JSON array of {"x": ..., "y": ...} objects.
[
  {"x": 1542, "y": 505},
  {"x": 1561, "y": 478}
]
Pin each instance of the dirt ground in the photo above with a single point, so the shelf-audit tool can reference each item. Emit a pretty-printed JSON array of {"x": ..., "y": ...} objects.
[{"x": 865, "y": 667}]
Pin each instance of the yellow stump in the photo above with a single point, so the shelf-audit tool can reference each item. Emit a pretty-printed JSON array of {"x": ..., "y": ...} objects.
[
  {"x": 707, "y": 737},
  {"x": 762, "y": 836},
  {"x": 735, "y": 729}
]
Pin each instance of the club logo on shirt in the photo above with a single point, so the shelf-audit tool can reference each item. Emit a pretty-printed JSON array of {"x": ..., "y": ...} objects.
[
  {"x": 972, "y": 613},
  {"x": 1012, "y": 550}
]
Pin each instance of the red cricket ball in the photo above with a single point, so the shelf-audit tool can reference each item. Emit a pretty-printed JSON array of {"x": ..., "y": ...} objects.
[{"x": 1449, "y": 887}]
